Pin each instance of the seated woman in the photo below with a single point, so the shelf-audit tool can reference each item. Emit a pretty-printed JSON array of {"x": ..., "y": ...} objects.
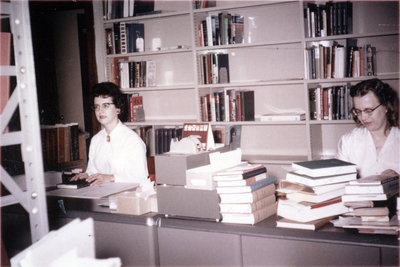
[
  {"x": 116, "y": 153},
  {"x": 374, "y": 145}
]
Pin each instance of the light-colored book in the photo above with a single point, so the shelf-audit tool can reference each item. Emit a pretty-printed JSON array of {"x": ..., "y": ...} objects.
[
  {"x": 323, "y": 180},
  {"x": 242, "y": 182},
  {"x": 250, "y": 218},
  {"x": 286, "y": 187},
  {"x": 283, "y": 117},
  {"x": 248, "y": 197},
  {"x": 246, "y": 207},
  {"x": 306, "y": 212},
  {"x": 315, "y": 198},
  {"x": 247, "y": 188},
  {"x": 313, "y": 225}
]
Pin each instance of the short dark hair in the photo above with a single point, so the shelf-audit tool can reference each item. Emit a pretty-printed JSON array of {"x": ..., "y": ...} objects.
[
  {"x": 386, "y": 96},
  {"x": 109, "y": 89}
]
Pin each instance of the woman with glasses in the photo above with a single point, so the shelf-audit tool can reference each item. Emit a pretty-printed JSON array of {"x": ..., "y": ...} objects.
[
  {"x": 374, "y": 145},
  {"x": 116, "y": 153}
]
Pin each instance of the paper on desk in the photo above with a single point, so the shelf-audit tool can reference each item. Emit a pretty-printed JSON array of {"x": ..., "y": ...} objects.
[
  {"x": 94, "y": 192},
  {"x": 202, "y": 177}
]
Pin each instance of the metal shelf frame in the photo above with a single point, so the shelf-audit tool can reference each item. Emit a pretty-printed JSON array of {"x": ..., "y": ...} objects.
[{"x": 24, "y": 97}]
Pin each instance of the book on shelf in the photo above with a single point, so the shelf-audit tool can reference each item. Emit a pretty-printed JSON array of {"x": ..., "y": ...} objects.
[
  {"x": 136, "y": 108},
  {"x": 163, "y": 137},
  {"x": 124, "y": 9},
  {"x": 249, "y": 197},
  {"x": 283, "y": 117},
  {"x": 306, "y": 212},
  {"x": 312, "y": 225},
  {"x": 374, "y": 218},
  {"x": 323, "y": 167},
  {"x": 321, "y": 180},
  {"x": 228, "y": 105},
  {"x": 246, "y": 188},
  {"x": 326, "y": 19},
  {"x": 249, "y": 218},
  {"x": 337, "y": 103},
  {"x": 247, "y": 207}
]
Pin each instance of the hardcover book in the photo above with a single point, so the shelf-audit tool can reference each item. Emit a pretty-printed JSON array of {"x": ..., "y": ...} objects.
[
  {"x": 247, "y": 188},
  {"x": 247, "y": 207},
  {"x": 251, "y": 218},
  {"x": 312, "y": 225},
  {"x": 322, "y": 180},
  {"x": 324, "y": 167},
  {"x": 249, "y": 197}
]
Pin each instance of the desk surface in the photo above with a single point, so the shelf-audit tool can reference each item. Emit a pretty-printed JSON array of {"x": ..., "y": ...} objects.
[{"x": 265, "y": 229}]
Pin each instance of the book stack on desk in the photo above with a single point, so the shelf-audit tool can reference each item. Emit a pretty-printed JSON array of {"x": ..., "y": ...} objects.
[
  {"x": 246, "y": 192},
  {"x": 372, "y": 201},
  {"x": 312, "y": 193}
]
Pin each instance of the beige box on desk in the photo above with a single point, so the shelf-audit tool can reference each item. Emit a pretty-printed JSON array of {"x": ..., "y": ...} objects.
[
  {"x": 171, "y": 168},
  {"x": 129, "y": 203}
]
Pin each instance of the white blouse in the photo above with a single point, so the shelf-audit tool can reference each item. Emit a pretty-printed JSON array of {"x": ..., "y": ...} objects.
[
  {"x": 358, "y": 147},
  {"x": 124, "y": 155}
]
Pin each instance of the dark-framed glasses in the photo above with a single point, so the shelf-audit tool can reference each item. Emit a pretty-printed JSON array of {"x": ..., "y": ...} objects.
[
  {"x": 367, "y": 111},
  {"x": 103, "y": 106}
]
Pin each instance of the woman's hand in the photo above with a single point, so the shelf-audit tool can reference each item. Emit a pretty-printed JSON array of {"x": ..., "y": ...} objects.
[
  {"x": 80, "y": 176},
  {"x": 96, "y": 179}
]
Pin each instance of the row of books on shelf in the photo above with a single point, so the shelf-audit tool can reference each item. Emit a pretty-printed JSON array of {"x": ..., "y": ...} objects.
[
  {"x": 61, "y": 144},
  {"x": 214, "y": 68},
  {"x": 136, "y": 74},
  {"x": 326, "y": 19},
  {"x": 228, "y": 105},
  {"x": 330, "y": 103},
  {"x": 228, "y": 135},
  {"x": 127, "y": 8},
  {"x": 221, "y": 29},
  {"x": 337, "y": 61},
  {"x": 124, "y": 37},
  {"x": 246, "y": 193}
]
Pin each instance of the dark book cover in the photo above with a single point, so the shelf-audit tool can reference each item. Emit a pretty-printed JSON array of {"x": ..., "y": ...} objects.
[
  {"x": 322, "y": 163},
  {"x": 117, "y": 40},
  {"x": 223, "y": 68},
  {"x": 247, "y": 97},
  {"x": 143, "y": 7}
]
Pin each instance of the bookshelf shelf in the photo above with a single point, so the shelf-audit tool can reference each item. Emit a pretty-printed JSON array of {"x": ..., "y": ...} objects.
[
  {"x": 153, "y": 53},
  {"x": 271, "y": 61},
  {"x": 148, "y": 17}
]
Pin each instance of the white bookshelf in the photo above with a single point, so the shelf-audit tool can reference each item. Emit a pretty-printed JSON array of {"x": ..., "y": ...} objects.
[{"x": 271, "y": 61}]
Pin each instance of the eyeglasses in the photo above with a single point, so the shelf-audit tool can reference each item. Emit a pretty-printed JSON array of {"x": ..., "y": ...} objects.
[
  {"x": 367, "y": 111},
  {"x": 104, "y": 106}
]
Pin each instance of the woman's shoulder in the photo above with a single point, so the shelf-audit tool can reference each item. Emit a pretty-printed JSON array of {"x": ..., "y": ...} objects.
[{"x": 357, "y": 133}]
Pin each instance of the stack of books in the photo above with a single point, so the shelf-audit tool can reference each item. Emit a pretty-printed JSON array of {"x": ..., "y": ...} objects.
[
  {"x": 247, "y": 193},
  {"x": 372, "y": 201},
  {"x": 312, "y": 193}
]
